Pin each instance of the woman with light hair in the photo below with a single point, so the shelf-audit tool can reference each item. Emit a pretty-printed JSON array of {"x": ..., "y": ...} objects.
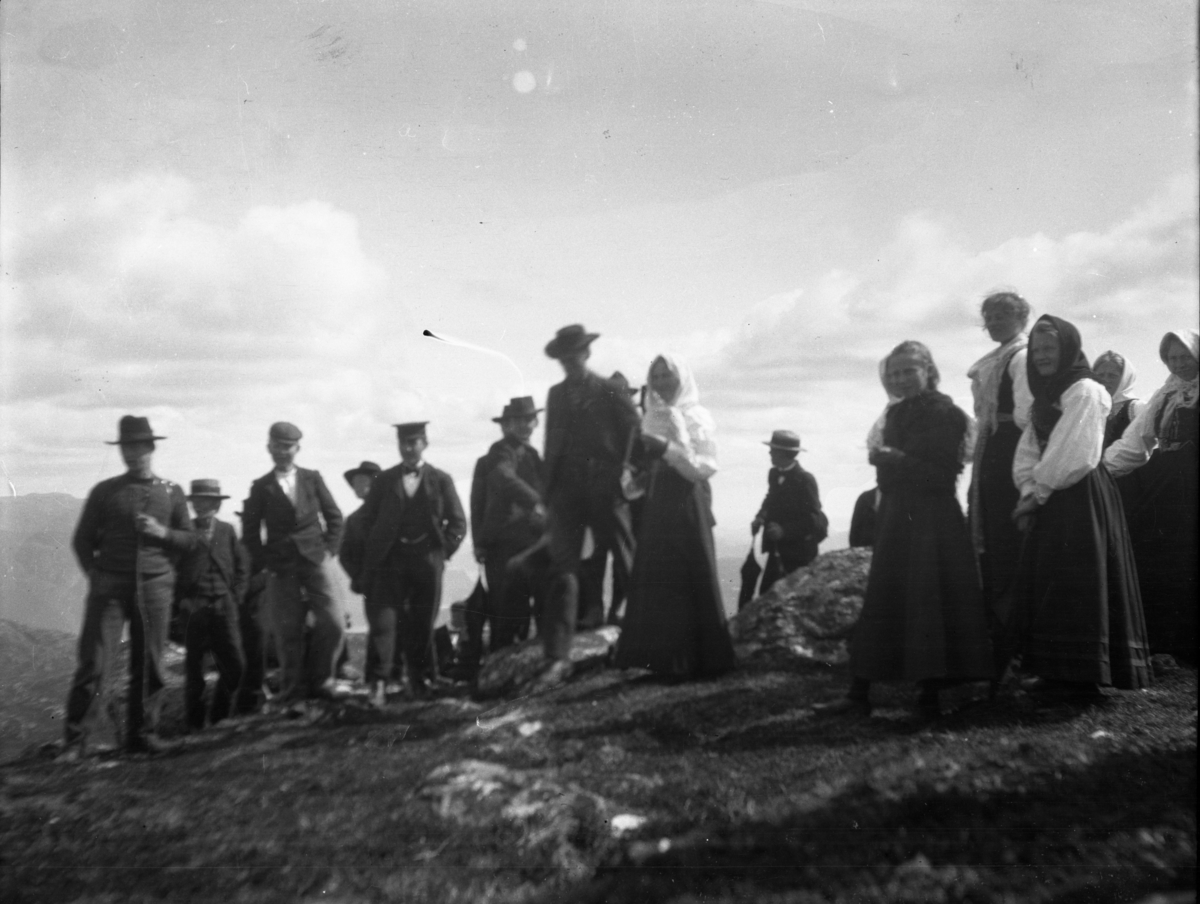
[
  {"x": 1159, "y": 450},
  {"x": 674, "y": 617}
]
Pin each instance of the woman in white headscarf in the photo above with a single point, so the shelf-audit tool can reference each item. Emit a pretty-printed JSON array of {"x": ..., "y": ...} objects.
[
  {"x": 1117, "y": 375},
  {"x": 674, "y": 618},
  {"x": 1159, "y": 448}
]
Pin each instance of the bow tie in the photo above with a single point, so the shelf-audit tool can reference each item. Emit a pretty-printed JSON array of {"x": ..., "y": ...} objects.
[{"x": 410, "y": 469}]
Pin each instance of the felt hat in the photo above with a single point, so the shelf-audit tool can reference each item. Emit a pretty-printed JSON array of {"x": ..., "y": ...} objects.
[
  {"x": 623, "y": 381},
  {"x": 132, "y": 429},
  {"x": 206, "y": 488},
  {"x": 284, "y": 432},
  {"x": 367, "y": 467},
  {"x": 573, "y": 338},
  {"x": 519, "y": 406},
  {"x": 786, "y": 441},
  {"x": 411, "y": 428}
]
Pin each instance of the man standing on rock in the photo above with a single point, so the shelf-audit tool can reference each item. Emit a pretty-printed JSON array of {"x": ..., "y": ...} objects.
[
  {"x": 130, "y": 530},
  {"x": 302, "y": 525},
  {"x": 589, "y": 422},
  {"x": 790, "y": 518},
  {"x": 412, "y": 523},
  {"x": 507, "y": 517}
]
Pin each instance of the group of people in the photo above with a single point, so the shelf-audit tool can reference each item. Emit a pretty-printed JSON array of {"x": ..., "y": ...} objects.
[
  {"x": 1045, "y": 570},
  {"x": 1078, "y": 560}
]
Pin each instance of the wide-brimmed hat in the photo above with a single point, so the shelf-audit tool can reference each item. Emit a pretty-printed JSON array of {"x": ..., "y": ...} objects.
[
  {"x": 573, "y": 338},
  {"x": 284, "y": 432},
  {"x": 410, "y": 428},
  {"x": 367, "y": 467},
  {"x": 206, "y": 488},
  {"x": 623, "y": 381},
  {"x": 786, "y": 441},
  {"x": 519, "y": 406},
  {"x": 132, "y": 429}
]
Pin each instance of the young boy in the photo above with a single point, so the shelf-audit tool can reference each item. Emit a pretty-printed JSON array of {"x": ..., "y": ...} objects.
[{"x": 790, "y": 518}]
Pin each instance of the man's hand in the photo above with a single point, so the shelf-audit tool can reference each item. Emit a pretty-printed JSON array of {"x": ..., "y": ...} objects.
[
  {"x": 538, "y": 516},
  {"x": 149, "y": 526},
  {"x": 756, "y": 526},
  {"x": 773, "y": 531}
]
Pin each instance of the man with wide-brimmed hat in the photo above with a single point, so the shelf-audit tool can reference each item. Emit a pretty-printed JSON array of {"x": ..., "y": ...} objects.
[
  {"x": 350, "y": 551},
  {"x": 589, "y": 422},
  {"x": 790, "y": 517},
  {"x": 412, "y": 523},
  {"x": 508, "y": 515},
  {"x": 131, "y": 529},
  {"x": 211, "y": 587},
  {"x": 302, "y": 524}
]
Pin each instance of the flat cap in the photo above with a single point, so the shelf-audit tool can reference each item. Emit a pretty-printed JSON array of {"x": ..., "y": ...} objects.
[
  {"x": 412, "y": 428},
  {"x": 285, "y": 432}
]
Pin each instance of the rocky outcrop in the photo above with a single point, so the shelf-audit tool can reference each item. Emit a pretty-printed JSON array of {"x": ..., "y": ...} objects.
[
  {"x": 807, "y": 614},
  {"x": 508, "y": 671}
]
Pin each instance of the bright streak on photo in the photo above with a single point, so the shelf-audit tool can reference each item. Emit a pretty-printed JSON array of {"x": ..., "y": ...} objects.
[
  {"x": 524, "y": 81},
  {"x": 462, "y": 343}
]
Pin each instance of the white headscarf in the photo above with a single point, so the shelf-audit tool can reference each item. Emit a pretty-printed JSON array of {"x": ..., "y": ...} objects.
[
  {"x": 1124, "y": 391},
  {"x": 1177, "y": 392},
  {"x": 683, "y": 421}
]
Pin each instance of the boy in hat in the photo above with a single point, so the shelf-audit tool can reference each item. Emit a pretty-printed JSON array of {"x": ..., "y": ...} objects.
[
  {"x": 412, "y": 523},
  {"x": 130, "y": 529},
  {"x": 507, "y": 517},
  {"x": 589, "y": 422},
  {"x": 302, "y": 525},
  {"x": 790, "y": 517},
  {"x": 351, "y": 549},
  {"x": 212, "y": 585}
]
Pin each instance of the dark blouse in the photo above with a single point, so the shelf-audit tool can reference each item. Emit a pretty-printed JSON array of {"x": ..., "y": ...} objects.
[{"x": 929, "y": 429}]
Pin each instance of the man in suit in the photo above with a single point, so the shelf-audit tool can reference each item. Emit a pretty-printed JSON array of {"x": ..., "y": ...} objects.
[
  {"x": 131, "y": 529},
  {"x": 255, "y": 629},
  {"x": 790, "y": 517},
  {"x": 507, "y": 517},
  {"x": 589, "y": 422},
  {"x": 302, "y": 524},
  {"x": 211, "y": 586},
  {"x": 412, "y": 523},
  {"x": 361, "y": 479}
]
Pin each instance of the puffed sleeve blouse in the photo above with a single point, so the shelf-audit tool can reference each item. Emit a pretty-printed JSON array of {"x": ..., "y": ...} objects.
[
  {"x": 1074, "y": 448},
  {"x": 1133, "y": 448},
  {"x": 697, "y": 460}
]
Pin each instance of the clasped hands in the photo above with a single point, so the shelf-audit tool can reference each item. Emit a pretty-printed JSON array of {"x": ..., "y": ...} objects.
[{"x": 1024, "y": 513}]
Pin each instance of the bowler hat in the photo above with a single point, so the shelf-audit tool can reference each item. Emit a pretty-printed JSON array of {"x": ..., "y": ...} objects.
[
  {"x": 285, "y": 432},
  {"x": 367, "y": 467},
  {"x": 132, "y": 429},
  {"x": 206, "y": 487},
  {"x": 411, "y": 428},
  {"x": 786, "y": 441},
  {"x": 519, "y": 406},
  {"x": 573, "y": 338}
]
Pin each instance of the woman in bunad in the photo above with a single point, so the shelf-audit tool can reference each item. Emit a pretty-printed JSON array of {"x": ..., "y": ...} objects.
[
  {"x": 1159, "y": 450},
  {"x": 674, "y": 618},
  {"x": 1079, "y": 618},
  {"x": 1117, "y": 375},
  {"x": 923, "y": 618},
  {"x": 1002, "y": 401}
]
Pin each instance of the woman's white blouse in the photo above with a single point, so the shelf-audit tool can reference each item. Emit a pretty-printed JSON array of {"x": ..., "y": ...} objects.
[
  {"x": 1075, "y": 444},
  {"x": 698, "y": 459},
  {"x": 1133, "y": 449}
]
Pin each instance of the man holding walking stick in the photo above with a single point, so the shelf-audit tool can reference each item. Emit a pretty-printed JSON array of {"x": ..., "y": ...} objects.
[{"x": 130, "y": 531}]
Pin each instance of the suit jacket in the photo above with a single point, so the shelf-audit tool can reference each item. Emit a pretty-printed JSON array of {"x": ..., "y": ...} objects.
[
  {"x": 224, "y": 554},
  {"x": 794, "y": 503},
  {"x": 384, "y": 505},
  {"x": 350, "y": 552},
  {"x": 292, "y": 530},
  {"x": 596, "y": 430},
  {"x": 507, "y": 485}
]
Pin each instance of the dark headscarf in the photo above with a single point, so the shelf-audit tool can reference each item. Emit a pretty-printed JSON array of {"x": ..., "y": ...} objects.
[{"x": 1072, "y": 367}]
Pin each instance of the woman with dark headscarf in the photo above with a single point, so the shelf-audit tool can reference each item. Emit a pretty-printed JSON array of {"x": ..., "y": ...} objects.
[
  {"x": 1079, "y": 618},
  {"x": 1158, "y": 451},
  {"x": 674, "y": 617},
  {"x": 923, "y": 618},
  {"x": 1117, "y": 375}
]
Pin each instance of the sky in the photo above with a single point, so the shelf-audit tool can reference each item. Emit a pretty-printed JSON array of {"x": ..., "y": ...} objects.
[{"x": 224, "y": 214}]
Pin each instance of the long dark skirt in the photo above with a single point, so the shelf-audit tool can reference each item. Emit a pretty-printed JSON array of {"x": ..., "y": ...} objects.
[
  {"x": 1162, "y": 527},
  {"x": 1079, "y": 612},
  {"x": 674, "y": 618},
  {"x": 996, "y": 497},
  {"x": 923, "y": 616}
]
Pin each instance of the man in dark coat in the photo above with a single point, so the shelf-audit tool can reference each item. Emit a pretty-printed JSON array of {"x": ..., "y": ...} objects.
[
  {"x": 507, "y": 517},
  {"x": 589, "y": 422},
  {"x": 790, "y": 518},
  {"x": 130, "y": 531},
  {"x": 255, "y": 630},
  {"x": 211, "y": 586},
  {"x": 350, "y": 552},
  {"x": 412, "y": 523},
  {"x": 302, "y": 525}
]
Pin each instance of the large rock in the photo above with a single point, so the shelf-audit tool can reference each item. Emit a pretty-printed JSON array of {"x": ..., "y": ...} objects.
[
  {"x": 509, "y": 670},
  {"x": 808, "y": 613}
]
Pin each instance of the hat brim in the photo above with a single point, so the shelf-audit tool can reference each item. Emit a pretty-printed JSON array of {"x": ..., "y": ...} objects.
[
  {"x": 555, "y": 350},
  {"x": 134, "y": 439},
  {"x": 505, "y": 417},
  {"x": 205, "y": 496},
  {"x": 785, "y": 448},
  {"x": 351, "y": 474}
]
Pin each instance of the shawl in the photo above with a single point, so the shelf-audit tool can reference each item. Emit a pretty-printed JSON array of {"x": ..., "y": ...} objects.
[
  {"x": 1072, "y": 367},
  {"x": 1177, "y": 392},
  {"x": 673, "y": 420},
  {"x": 986, "y": 374}
]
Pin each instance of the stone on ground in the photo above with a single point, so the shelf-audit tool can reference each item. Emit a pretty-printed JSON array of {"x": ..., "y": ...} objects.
[{"x": 507, "y": 671}]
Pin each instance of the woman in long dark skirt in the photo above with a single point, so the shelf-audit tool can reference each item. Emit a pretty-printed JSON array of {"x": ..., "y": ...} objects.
[
  {"x": 1158, "y": 453},
  {"x": 923, "y": 618},
  {"x": 674, "y": 619},
  {"x": 1079, "y": 618}
]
